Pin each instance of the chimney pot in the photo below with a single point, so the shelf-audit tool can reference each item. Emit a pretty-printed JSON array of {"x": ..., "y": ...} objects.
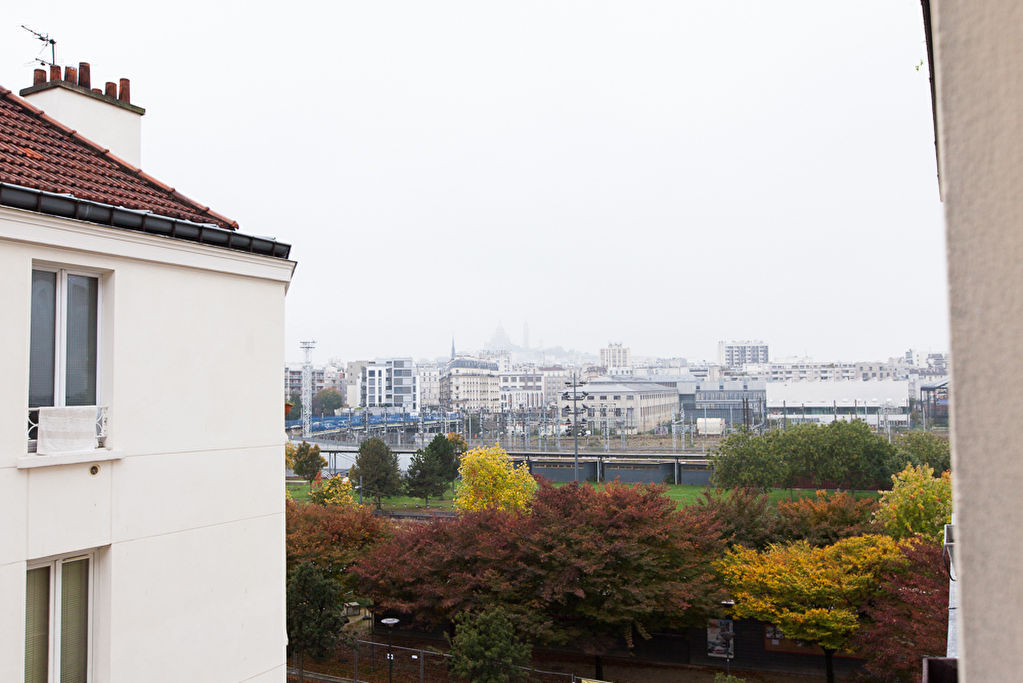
[
  {"x": 54, "y": 72},
  {"x": 125, "y": 94},
  {"x": 84, "y": 75},
  {"x": 111, "y": 90},
  {"x": 70, "y": 74},
  {"x": 97, "y": 90},
  {"x": 38, "y": 76}
]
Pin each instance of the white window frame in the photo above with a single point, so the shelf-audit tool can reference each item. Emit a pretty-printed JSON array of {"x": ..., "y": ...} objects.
[
  {"x": 60, "y": 328},
  {"x": 53, "y": 654}
]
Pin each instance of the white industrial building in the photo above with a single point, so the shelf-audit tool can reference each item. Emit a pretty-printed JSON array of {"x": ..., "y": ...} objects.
[
  {"x": 877, "y": 402},
  {"x": 131, "y": 549},
  {"x": 629, "y": 406}
]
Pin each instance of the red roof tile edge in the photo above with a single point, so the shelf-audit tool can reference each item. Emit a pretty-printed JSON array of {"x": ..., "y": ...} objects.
[{"x": 39, "y": 113}]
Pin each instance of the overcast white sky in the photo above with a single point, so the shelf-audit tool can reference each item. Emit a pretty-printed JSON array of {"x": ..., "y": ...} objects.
[{"x": 663, "y": 174}]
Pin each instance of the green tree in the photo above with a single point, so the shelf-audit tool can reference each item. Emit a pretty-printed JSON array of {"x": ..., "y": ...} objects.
[
  {"x": 811, "y": 594},
  {"x": 744, "y": 460},
  {"x": 376, "y": 469},
  {"x": 296, "y": 407},
  {"x": 446, "y": 455},
  {"x": 839, "y": 454},
  {"x": 314, "y": 614},
  {"x": 424, "y": 477},
  {"x": 485, "y": 648},
  {"x": 308, "y": 462},
  {"x": 326, "y": 401},
  {"x": 923, "y": 448},
  {"x": 919, "y": 503}
]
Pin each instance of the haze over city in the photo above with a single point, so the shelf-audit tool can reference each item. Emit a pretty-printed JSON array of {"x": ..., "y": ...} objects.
[{"x": 663, "y": 174}]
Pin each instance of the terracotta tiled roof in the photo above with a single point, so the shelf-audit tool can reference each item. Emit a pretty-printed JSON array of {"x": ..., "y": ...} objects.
[{"x": 39, "y": 152}]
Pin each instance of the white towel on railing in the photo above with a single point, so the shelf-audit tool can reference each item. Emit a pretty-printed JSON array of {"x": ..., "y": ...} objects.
[{"x": 66, "y": 429}]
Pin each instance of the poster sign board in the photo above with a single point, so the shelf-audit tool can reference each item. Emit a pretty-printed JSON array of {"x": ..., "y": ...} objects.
[{"x": 720, "y": 638}]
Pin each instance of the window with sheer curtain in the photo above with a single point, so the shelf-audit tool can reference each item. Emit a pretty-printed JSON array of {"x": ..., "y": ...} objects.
[
  {"x": 58, "y": 612},
  {"x": 64, "y": 338}
]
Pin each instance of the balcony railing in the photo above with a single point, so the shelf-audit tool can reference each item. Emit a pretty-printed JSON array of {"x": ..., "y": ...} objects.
[{"x": 33, "y": 427}]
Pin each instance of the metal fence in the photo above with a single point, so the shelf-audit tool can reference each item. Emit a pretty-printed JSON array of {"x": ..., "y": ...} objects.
[{"x": 373, "y": 662}]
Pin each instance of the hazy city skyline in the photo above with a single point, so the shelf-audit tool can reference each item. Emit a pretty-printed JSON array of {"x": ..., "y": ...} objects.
[
  {"x": 517, "y": 345},
  {"x": 661, "y": 174}
]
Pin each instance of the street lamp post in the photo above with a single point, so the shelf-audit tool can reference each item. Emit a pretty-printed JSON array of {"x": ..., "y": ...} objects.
[{"x": 389, "y": 623}]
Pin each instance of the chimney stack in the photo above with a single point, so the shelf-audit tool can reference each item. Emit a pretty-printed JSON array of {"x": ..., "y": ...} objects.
[
  {"x": 107, "y": 117},
  {"x": 84, "y": 77}
]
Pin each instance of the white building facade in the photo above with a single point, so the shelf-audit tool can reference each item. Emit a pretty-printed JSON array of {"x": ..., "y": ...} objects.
[
  {"x": 428, "y": 384},
  {"x": 616, "y": 359},
  {"x": 879, "y": 403},
  {"x": 130, "y": 549},
  {"x": 390, "y": 382},
  {"x": 631, "y": 407},
  {"x": 470, "y": 384},
  {"x": 521, "y": 389}
]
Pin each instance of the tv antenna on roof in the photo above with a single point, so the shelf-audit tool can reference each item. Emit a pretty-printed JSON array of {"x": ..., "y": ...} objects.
[{"x": 45, "y": 39}]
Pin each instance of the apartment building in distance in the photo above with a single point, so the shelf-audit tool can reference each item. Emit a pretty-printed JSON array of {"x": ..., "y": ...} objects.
[
  {"x": 428, "y": 383},
  {"x": 468, "y": 383},
  {"x": 390, "y": 382},
  {"x": 352, "y": 386},
  {"x": 802, "y": 370},
  {"x": 130, "y": 549},
  {"x": 735, "y": 354},
  {"x": 321, "y": 378},
  {"x": 554, "y": 378},
  {"x": 521, "y": 389},
  {"x": 616, "y": 359}
]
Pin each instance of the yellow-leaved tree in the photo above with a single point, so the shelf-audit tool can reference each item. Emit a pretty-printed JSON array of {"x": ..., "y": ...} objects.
[
  {"x": 811, "y": 594},
  {"x": 490, "y": 481},
  {"x": 919, "y": 503},
  {"x": 336, "y": 491}
]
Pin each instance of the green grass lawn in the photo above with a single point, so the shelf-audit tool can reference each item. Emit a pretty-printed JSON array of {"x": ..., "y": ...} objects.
[
  {"x": 300, "y": 491},
  {"x": 682, "y": 494}
]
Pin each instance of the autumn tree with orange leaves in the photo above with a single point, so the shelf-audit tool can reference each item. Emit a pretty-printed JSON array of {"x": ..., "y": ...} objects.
[
  {"x": 583, "y": 566},
  {"x": 331, "y": 537}
]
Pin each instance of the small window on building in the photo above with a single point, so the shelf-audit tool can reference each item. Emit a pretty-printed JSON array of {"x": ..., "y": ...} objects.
[
  {"x": 58, "y": 612},
  {"x": 63, "y": 351}
]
